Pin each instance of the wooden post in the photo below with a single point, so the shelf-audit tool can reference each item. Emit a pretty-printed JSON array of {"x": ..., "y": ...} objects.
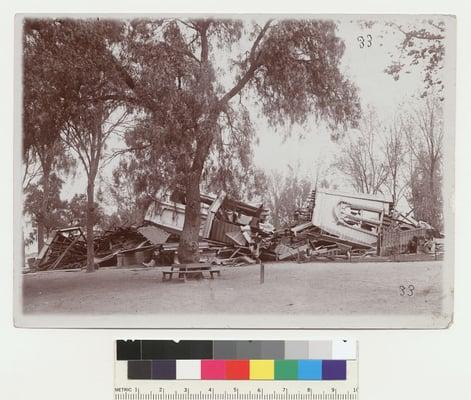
[{"x": 262, "y": 272}]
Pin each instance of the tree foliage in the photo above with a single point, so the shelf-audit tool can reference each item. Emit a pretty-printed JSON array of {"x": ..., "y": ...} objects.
[
  {"x": 65, "y": 61},
  {"x": 80, "y": 81},
  {"x": 297, "y": 75},
  {"x": 34, "y": 198},
  {"x": 421, "y": 45},
  {"x": 75, "y": 212},
  {"x": 192, "y": 83},
  {"x": 291, "y": 69}
]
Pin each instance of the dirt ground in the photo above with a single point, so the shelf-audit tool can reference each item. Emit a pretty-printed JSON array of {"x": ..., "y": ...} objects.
[{"x": 314, "y": 288}]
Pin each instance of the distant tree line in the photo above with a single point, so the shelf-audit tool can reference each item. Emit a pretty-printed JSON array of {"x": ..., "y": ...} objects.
[{"x": 403, "y": 159}]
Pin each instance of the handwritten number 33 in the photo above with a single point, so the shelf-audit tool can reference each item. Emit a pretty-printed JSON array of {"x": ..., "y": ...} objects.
[
  {"x": 365, "y": 42},
  {"x": 409, "y": 290}
]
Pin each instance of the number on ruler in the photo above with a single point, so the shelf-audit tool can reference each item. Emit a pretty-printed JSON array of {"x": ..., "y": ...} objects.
[{"x": 310, "y": 395}]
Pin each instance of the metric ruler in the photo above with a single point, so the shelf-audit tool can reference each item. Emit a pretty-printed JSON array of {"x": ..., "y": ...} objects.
[
  {"x": 226, "y": 370},
  {"x": 228, "y": 391}
]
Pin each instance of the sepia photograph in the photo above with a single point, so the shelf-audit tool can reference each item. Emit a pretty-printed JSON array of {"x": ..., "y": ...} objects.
[{"x": 234, "y": 171}]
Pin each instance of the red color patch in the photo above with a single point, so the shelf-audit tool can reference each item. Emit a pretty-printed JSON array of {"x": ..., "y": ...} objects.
[{"x": 237, "y": 369}]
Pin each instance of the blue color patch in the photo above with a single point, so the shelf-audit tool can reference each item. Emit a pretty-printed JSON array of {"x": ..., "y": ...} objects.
[{"x": 310, "y": 369}]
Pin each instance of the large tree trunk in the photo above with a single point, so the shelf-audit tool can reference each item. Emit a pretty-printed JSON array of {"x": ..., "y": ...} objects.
[
  {"x": 90, "y": 224},
  {"x": 40, "y": 234},
  {"x": 188, "y": 248},
  {"x": 434, "y": 197},
  {"x": 189, "y": 239}
]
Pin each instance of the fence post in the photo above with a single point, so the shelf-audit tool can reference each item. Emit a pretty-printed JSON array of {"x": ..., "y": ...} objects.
[{"x": 262, "y": 272}]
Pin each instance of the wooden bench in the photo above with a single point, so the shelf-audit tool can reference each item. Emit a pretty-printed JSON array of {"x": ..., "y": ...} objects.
[{"x": 182, "y": 270}]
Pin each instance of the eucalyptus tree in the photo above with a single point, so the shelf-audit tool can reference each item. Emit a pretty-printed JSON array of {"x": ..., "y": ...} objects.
[
  {"x": 43, "y": 117},
  {"x": 199, "y": 82},
  {"x": 201, "y": 79},
  {"x": 71, "y": 85}
]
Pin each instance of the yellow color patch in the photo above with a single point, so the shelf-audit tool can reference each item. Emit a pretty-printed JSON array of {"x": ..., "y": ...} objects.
[{"x": 262, "y": 369}]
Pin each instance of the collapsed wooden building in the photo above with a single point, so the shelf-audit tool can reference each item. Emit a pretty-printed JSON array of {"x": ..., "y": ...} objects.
[
  {"x": 332, "y": 225},
  {"x": 342, "y": 225},
  {"x": 222, "y": 218}
]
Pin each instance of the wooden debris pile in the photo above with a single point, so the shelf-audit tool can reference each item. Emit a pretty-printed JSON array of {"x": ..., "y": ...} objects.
[
  {"x": 337, "y": 225},
  {"x": 131, "y": 245},
  {"x": 331, "y": 226},
  {"x": 306, "y": 242},
  {"x": 231, "y": 231},
  {"x": 120, "y": 238},
  {"x": 403, "y": 235},
  {"x": 66, "y": 249}
]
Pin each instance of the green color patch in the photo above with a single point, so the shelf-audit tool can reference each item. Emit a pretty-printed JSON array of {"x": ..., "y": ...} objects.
[{"x": 286, "y": 370}]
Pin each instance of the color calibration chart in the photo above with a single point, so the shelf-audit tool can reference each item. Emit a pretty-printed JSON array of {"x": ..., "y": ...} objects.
[{"x": 236, "y": 369}]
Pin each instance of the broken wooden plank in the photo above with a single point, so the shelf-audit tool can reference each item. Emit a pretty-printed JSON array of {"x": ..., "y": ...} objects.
[
  {"x": 284, "y": 252},
  {"x": 64, "y": 253},
  {"x": 299, "y": 228},
  {"x": 213, "y": 209},
  {"x": 154, "y": 234},
  {"x": 237, "y": 237}
]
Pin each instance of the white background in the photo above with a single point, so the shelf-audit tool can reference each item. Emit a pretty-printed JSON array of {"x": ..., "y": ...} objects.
[{"x": 401, "y": 364}]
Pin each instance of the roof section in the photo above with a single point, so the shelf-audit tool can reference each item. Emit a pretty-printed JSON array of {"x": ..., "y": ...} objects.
[{"x": 373, "y": 197}]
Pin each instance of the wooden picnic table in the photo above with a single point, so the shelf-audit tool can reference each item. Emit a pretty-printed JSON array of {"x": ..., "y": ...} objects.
[{"x": 194, "y": 270}]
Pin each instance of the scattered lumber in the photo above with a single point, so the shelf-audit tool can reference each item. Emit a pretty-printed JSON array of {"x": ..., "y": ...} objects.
[
  {"x": 66, "y": 249},
  {"x": 330, "y": 226}
]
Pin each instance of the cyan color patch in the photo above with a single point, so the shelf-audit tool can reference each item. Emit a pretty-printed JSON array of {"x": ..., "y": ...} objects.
[{"x": 310, "y": 370}]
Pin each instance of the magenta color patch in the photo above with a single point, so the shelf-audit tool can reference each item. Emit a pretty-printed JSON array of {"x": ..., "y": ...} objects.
[{"x": 213, "y": 369}]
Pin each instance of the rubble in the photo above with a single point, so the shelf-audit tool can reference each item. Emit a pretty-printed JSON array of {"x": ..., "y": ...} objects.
[
  {"x": 67, "y": 248},
  {"x": 331, "y": 226},
  {"x": 335, "y": 225}
]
